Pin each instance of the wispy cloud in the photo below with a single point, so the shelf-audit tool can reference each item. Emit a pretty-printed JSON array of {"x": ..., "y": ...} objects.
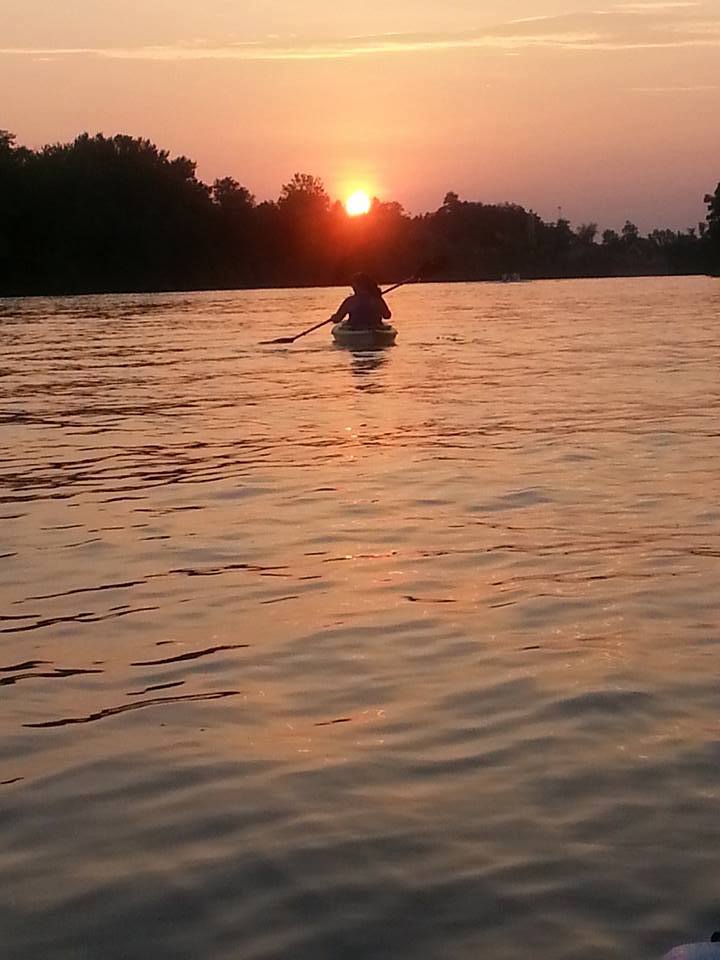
[
  {"x": 329, "y": 49},
  {"x": 633, "y": 25},
  {"x": 654, "y": 6},
  {"x": 312, "y": 51},
  {"x": 699, "y": 88}
]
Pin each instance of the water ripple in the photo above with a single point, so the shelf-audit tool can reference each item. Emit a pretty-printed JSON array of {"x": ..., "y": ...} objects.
[
  {"x": 192, "y": 655},
  {"x": 427, "y": 638},
  {"x": 128, "y": 707}
]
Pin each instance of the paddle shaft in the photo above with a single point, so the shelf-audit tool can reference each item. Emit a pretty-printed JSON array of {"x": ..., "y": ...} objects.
[
  {"x": 324, "y": 323},
  {"x": 330, "y": 319},
  {"x": 397, "y": 285},
  {"x": 429, "y": 267}
]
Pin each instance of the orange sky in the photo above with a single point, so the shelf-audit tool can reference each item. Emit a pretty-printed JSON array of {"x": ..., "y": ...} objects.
[{"x": 605, "y": 110}]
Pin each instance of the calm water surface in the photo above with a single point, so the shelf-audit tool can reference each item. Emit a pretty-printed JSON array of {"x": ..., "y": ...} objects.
[{"x": 322, "y": 656}]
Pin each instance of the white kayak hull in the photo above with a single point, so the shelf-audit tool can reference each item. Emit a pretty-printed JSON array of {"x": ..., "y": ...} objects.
[
  {"x": 364, "y": 339},
  {"x": 695, "y": 951}
]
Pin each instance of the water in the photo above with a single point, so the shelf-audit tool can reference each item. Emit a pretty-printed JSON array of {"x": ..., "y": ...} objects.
[{"x": 311, "y": 655}]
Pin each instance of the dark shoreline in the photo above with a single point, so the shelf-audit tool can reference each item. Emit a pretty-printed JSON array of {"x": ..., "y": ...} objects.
[
  {"x": 160, "y": 291},
  {"x": 119, "y": 215}
]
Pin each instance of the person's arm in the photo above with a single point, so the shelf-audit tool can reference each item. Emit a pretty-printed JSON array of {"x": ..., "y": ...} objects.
[
  {"x": 386, "y": 312},
  {"x": 342, "y": 311}
]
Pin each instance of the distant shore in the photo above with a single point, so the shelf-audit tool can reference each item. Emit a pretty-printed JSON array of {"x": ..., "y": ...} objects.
[
  {"x": 118, "y": 215},
  {"x": 4, "y": 297}
]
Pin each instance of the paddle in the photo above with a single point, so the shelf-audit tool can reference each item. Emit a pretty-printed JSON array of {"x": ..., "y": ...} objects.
[{"x": 427, "y": 268}]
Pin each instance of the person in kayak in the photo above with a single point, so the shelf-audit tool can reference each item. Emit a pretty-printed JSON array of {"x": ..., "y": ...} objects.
[{"x": 365, "y": 309}]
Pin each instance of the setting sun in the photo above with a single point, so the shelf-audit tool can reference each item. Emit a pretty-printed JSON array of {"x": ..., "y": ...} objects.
[{"x": 357, "y": 204}]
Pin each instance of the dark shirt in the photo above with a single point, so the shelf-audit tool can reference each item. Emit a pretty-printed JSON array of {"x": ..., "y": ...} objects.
[{"x": 365, "y": 311}]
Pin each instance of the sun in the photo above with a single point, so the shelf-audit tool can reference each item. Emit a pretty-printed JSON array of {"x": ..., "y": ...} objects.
[{"x": 357, "y": 204}]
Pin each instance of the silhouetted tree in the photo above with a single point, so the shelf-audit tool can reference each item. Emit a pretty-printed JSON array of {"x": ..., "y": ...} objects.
[
  {"x": 630, "y": 233},
  {"x": 304, "y": 193},
  {"x": 304, "y": 221},
  {"x": 231, "y": 197},
  {"x": 237, "y": 259},
  {"x": 663, "y": 239},
  {"x": 18, "y": 198},
  {"x": 713, "y": 230},
  {"x": 118, "y": 213},
  {"x": 586, "y": 233},
  {"x": 451, "y": 203}
]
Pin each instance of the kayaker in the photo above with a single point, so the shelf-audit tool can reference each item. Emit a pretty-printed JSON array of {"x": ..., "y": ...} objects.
[{"x": 365, "y": 309}]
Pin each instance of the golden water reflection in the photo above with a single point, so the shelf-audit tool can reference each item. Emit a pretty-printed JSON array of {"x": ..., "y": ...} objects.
[{"x": 351, "y": 652}]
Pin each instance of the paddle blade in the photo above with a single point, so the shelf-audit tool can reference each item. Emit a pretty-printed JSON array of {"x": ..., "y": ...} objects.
[{"x": 267, "y": 343}]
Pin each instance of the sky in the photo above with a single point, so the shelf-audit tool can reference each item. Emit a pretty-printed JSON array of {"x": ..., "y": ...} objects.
[{"x": 596, "y": 110}]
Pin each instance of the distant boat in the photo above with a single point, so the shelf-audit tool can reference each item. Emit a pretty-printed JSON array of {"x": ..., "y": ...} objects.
[{"x": 511, "y": 278}]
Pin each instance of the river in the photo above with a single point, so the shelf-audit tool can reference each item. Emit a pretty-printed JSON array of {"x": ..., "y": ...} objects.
[{"x": 314, "y": 655}]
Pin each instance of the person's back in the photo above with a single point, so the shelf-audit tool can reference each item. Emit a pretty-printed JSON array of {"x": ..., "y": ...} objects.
[
  {"x": 365, "y": 309},
  {"x": 365, "y": 312}
]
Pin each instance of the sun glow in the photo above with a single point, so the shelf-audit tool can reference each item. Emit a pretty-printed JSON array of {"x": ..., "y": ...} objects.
[{"x": 357, "y": 204}]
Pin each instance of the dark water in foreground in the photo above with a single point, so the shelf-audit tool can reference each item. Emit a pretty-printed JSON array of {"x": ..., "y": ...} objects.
[{"x": 310, "y": 655}]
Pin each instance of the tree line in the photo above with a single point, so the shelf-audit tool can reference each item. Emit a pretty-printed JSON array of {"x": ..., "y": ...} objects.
[{"x": 116, "y": 214}]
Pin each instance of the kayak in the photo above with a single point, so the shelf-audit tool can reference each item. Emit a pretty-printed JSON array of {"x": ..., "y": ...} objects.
[{"x": 374, "y": 339}]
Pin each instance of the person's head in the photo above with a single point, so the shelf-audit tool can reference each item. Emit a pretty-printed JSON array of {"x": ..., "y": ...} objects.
[{"x": 363, "y": 283}]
